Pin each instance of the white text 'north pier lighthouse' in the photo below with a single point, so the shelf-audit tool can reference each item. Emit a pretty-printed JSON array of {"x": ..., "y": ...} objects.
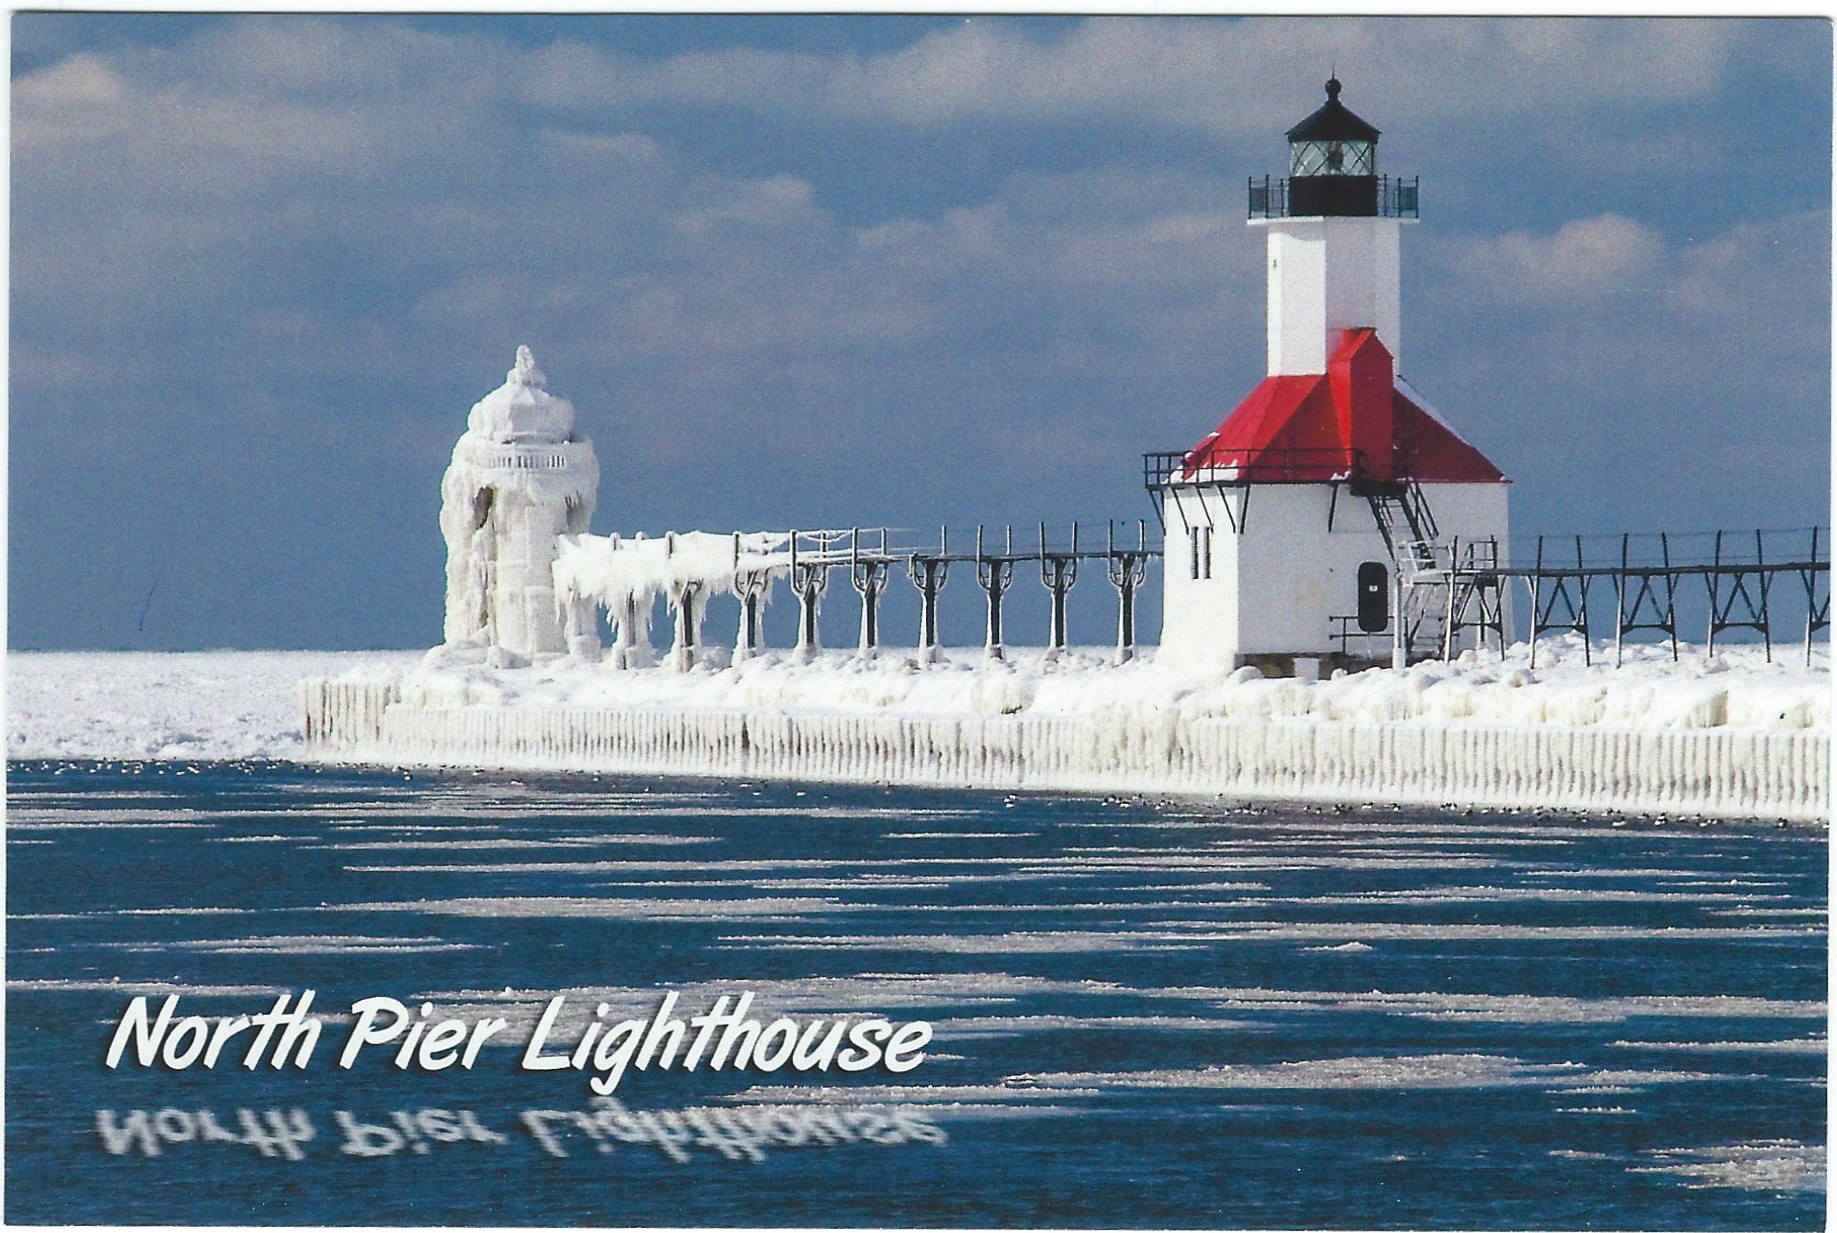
[{"x": 1290, "y": 526}]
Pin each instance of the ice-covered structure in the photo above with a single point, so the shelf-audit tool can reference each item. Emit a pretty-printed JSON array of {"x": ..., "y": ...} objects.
[
  {"x": 521, "y": 477},
  {"x": 525, "y": 580},
  {"x": 624, "y": 576}
]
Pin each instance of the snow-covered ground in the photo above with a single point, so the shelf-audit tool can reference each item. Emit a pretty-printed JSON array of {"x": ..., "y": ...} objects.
[
  {"x": 227, "y": 704},
  {"x": 191, "y": 706},
  {"x": 1736, "y": 687}
]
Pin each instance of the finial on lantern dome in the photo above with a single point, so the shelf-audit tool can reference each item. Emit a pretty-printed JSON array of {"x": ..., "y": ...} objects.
[
  {"x": 525, "y": 371},
  {"x": 1333, "y": 87}
]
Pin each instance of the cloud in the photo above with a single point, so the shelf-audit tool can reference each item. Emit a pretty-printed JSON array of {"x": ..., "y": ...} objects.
[
  {"x": 1773, "y": 268},
  {"x": 1223, "y": 75},
  {"x": 81, "y": 122},
  {"x": 1766, "y": 279},
  {"x": 1583, "y": 260},
  {"x": 679, "y": 296},
  {"x": 1696, "y": 374},
  {"x": 775, "y": 203}
]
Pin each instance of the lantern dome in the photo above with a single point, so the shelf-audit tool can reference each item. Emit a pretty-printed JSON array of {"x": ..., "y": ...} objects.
[
  {"x": 521, "y": 410},
  {"x": 1333, "y": 121}
]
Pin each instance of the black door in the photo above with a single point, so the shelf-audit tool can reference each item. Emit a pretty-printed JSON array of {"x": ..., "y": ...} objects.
[{"x": 1374, "y": 597}]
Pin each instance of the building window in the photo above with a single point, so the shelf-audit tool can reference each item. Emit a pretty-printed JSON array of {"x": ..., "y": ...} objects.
[{"x": 1200, "y": 539}]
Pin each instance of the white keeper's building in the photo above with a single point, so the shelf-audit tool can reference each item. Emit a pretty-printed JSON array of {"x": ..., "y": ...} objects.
[{"x": 1290, "y": 526}]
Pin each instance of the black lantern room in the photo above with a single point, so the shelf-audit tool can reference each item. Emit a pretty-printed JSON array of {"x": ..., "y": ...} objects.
[
  {"x": 1333, "y": 162},
  {"x": 1333, "y": 172}
]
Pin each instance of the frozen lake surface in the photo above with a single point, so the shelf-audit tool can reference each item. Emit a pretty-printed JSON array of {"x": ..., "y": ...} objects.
[{"x": 1146, "y": 1013}]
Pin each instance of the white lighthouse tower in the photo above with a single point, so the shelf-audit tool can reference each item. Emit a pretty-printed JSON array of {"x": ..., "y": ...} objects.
[
  {"x": 520, "y": 476},
  {"x": 1291, "y": 525}
]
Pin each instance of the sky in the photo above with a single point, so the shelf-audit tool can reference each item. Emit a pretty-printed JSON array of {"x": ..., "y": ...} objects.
[{"x": 829, "y": 271}]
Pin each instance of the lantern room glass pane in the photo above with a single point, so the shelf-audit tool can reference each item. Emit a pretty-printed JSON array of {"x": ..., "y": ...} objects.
[{"x": 1332, "y": 158}]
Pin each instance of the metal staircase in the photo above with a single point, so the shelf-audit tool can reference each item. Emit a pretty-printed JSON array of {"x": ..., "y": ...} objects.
[{"x": 1410, "y": 534}]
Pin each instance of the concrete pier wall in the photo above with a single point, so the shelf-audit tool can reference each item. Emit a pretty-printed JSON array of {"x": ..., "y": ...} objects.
[{"x": 1708, "y": 772}]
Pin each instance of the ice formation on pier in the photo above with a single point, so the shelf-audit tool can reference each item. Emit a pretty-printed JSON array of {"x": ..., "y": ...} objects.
[
  {"x": 1693, "y": 737},
  {"x": 526, "y": 581},
  {"x": 625, "y": 576},
  {"x": 1735, "y": 688},
  {"x": 521, "y": 476}
]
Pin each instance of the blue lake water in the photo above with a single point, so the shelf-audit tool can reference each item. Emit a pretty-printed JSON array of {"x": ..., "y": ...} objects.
[{"x": 1146, "y": 1013}]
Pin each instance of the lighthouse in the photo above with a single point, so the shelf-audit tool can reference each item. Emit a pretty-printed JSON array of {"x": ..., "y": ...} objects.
[
  {"x": 521, "y": 476},
  {"x": 1310, "y": 529}
]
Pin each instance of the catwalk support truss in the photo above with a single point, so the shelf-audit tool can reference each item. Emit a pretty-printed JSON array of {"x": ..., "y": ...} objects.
[
  {"x": 870, "y": 559},
  {"x": 1649, "y": 577}
]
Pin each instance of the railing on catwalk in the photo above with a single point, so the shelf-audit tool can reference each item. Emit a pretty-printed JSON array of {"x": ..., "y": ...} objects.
[
  {"x": 1764, "y": 583},
  {"x": 872, "y": 560}
]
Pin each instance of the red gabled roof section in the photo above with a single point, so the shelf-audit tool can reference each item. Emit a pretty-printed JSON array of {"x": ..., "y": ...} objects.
[
  {"x": 1285, "y": 432},
  {"x": 1433, "y": 453},
  {"x": 1352, "y": 420}
]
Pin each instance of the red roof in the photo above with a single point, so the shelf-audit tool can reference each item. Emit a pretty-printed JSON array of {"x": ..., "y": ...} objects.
[{"x": 1355, "y": 418}]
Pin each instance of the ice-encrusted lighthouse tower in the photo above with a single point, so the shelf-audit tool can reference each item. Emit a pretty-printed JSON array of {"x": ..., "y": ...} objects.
[
  {"x": 520, "y": 476},
  {"x": 1291, "y": 524}
]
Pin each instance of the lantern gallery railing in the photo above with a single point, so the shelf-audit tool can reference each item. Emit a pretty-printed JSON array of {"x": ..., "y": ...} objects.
[
  {"x": 1391, "y": 196},
  {"x": 516, "y": 456},
  {"x": 1567, "y": 580},
  {"x": 871, "y": 559}
]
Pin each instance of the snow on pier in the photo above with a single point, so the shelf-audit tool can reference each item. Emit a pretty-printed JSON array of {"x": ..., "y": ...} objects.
[{"x": 1726, "y": 735}]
